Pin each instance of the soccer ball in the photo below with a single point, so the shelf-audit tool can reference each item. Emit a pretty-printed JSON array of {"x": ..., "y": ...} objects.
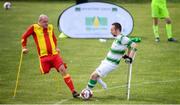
[
  {"x": 86, "y": 94},
  {"x": 7, "y": 5}
]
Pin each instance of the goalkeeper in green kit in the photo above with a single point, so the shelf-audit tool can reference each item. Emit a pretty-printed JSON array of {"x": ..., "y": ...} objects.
[{"x": 160, "y": 11}]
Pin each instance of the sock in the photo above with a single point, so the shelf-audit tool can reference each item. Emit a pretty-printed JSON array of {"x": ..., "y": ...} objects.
[
  {"x": 91, "y": 83},
  {"x": 69, "y": 82},
  {"x": 156, "y": 31},
  {"x": 102, "y": 83},
  {"x": 169, "y": 30}
]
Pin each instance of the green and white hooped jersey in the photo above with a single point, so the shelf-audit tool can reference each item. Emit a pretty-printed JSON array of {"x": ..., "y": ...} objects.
[{"x": 118, "y": 48}]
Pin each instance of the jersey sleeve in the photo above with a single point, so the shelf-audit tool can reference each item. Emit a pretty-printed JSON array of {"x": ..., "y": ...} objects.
[
  {"x": 126, "y": 41},
  {"x": 26, "y": 34}
]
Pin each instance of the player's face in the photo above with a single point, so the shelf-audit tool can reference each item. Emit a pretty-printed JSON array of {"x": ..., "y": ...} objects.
[
  {"x": 44, "y": 22},
  {"x": 114, "y": 31}
]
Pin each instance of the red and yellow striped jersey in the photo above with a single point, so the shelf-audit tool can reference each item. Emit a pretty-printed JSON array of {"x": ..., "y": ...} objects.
[{"x": 44, "y": 38}]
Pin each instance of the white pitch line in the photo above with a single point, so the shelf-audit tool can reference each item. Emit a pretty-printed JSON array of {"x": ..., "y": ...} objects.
[
  {"x": 120, "y": 86},
  {"x": 136, "y": 84},
  {"x": 62, "y": 101}
]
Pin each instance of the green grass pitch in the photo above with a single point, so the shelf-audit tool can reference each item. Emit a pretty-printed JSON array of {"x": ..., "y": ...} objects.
[{"x": 156, "y": 71}]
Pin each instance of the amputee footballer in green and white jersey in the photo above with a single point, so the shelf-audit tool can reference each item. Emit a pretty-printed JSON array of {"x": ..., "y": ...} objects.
[{"x": 115, "y": 54}]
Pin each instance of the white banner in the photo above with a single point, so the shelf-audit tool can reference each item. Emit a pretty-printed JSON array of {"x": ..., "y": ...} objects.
[{"x": 94, "y": 20}]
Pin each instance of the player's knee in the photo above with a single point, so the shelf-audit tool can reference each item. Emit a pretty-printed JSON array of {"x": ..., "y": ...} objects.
[
  {"x": 62, "y": 70},
  {"x": 155, "y": 24},
  {"x": 168, "y": 21},
  {"x": 94, "y": 75},
  {"x": 155, "y": 21}
]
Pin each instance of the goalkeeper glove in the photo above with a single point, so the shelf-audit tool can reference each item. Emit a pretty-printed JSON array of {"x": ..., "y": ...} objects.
[{"x": 128, "y": 59}]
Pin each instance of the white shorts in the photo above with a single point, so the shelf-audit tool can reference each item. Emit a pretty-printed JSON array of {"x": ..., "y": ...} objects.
[{"x": 105, "y": 67}]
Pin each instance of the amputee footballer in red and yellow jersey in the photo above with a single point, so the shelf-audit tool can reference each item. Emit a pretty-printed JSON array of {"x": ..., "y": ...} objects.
[{"x": 46, "y": 43}]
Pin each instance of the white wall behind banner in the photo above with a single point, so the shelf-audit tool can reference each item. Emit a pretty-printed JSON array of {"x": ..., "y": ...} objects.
[{"x": 93, "y": 20}]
